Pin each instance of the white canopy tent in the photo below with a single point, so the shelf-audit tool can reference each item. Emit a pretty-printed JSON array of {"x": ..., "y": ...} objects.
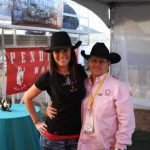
[{"x": 129, "y": 22}]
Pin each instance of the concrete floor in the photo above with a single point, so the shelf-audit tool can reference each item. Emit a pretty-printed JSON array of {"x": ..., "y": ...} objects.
[{"x": 140, "y": 140}]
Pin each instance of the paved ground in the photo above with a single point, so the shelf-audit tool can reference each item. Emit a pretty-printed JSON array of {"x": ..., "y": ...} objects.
[{"x": 141, "y": 140}]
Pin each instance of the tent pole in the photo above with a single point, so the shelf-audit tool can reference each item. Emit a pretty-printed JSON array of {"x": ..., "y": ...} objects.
[{"x": 3, "y": 68}]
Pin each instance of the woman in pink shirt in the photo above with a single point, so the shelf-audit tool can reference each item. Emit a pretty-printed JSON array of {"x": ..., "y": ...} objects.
[{"x": 107, "y": 111}]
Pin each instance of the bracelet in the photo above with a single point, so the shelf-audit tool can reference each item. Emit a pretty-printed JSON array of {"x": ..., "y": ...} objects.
[
  {"x": 35, "y": 122},
  {"x": 119, "y": 149}
]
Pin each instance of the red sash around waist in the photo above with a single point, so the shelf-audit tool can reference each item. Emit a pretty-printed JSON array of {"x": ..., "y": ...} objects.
[{"x": 60, "y": 137}]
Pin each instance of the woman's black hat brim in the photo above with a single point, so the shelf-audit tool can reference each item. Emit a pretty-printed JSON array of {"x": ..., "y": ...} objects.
[{"x": 48, "y": 49}]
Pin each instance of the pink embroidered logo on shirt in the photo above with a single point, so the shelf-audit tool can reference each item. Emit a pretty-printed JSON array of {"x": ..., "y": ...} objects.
[{"x": 107, "y": 92}]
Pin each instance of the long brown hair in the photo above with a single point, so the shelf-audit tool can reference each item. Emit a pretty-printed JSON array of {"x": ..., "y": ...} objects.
[{"x": 53, "y": 71}]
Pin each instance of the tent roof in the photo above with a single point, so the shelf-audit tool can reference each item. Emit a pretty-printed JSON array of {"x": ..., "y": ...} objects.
[
  {"x": 100, "y": 7},
  {"x": 118, "y": 1}
]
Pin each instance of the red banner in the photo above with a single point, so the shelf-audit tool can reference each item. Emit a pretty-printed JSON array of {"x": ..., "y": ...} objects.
[{"x": 24, "y": 66}]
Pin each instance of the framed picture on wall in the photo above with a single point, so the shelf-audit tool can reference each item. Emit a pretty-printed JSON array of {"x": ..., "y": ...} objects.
[{"x": 39, "y": 13}]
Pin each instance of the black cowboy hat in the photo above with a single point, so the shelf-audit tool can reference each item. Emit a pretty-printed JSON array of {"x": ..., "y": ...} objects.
[
  {"x": 100, "y": 50},
  {"x": 60, "y": 40}
]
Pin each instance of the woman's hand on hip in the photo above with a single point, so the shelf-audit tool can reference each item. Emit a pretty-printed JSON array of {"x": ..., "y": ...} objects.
[
  {"x": 41, "y": 127},
  {"x": 51, "y": 111}
]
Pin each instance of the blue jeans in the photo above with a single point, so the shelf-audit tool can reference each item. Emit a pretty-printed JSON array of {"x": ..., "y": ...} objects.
[{"x": 67, "y": 144}]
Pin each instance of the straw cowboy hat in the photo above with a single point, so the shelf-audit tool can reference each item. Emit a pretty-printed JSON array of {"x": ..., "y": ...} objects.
[
  {"x": 61, "y": 40},
  {"x": 101, "y": 51}
]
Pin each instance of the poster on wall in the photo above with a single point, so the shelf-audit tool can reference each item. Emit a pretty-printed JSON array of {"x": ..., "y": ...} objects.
[
  {"x": 24, "y": 66},
  {"x": 39, "y": 13}
]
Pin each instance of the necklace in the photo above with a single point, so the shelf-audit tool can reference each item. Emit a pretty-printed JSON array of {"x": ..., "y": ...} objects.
[
  {"x": 68, "y": 81},
  {"x": 71, "y": 85}
]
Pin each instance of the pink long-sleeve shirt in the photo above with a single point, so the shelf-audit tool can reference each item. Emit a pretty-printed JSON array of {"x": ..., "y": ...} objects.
[{"x": 113, "y": 113}]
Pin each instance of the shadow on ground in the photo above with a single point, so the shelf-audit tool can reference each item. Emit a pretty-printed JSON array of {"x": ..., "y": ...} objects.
[{"x": 140, "y": 140}]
